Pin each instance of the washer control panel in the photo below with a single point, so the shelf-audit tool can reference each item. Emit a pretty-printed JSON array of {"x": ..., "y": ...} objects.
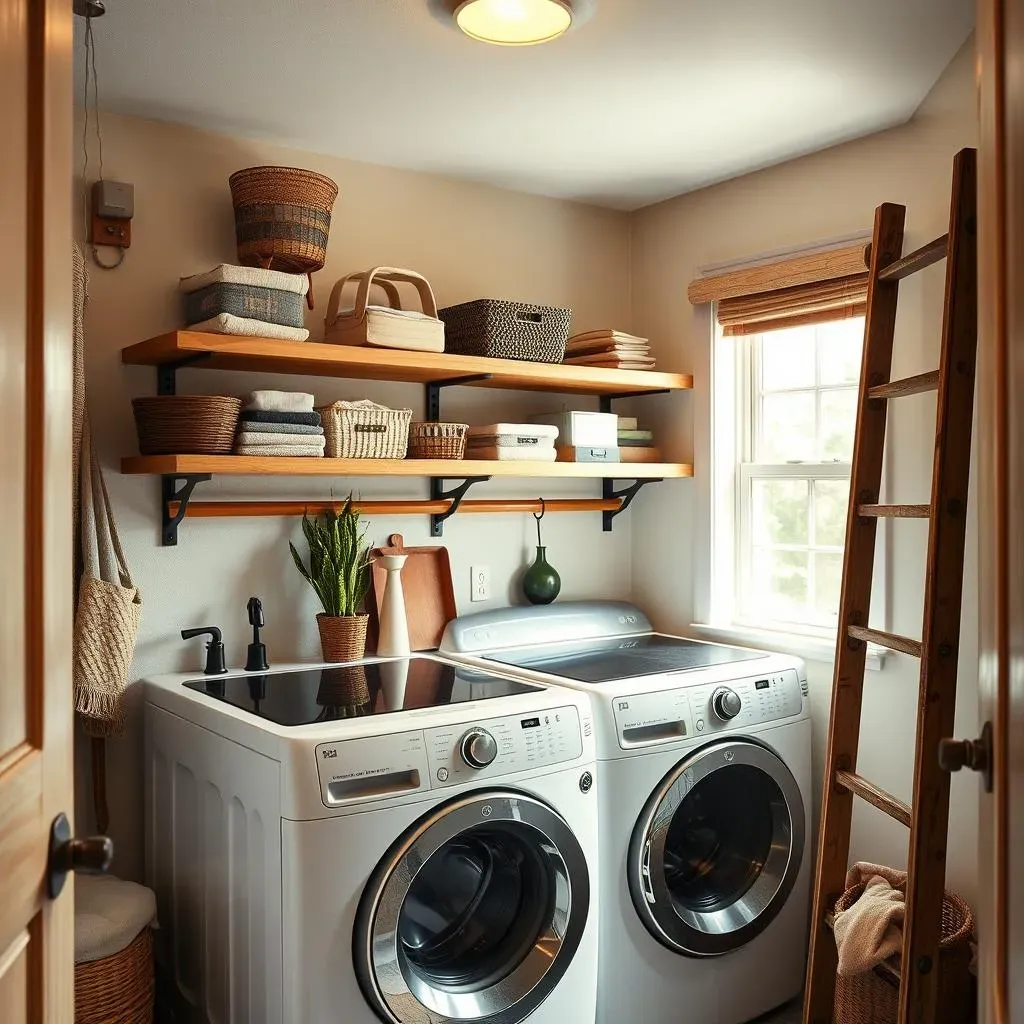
[{"x": 371, "y": 767}]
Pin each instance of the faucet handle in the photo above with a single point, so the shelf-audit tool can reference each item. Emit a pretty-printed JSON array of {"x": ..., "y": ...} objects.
[
  {"x": 214, "y": 649},
  {"x": 256, "y": 655}
]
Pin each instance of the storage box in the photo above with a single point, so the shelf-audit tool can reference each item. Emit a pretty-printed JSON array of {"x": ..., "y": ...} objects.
[
  {"x": 506, "y": 330},
  {"x": 269, "y": 296},
  {"x": 584, "y": 429},
  {"x": 512, "y": 435},
  {"x": 568, "y": 453}
]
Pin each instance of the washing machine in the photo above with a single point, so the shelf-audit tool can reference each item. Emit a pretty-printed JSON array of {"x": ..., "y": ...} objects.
[
  {"x": 705, "y": 758},
  {"x": 409, "y": 841}
]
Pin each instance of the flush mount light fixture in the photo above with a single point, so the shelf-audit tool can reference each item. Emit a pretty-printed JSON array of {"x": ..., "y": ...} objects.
[{"x": 513, "y": 22}]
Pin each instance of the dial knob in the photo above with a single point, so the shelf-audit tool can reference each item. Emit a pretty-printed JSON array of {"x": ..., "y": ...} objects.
[
  {"x": 478, "y": 748},
  {"x": 726, "y": 703}
]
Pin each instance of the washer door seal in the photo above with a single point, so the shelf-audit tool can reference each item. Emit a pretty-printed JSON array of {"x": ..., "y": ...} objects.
[{"x": 717, "y": 848}]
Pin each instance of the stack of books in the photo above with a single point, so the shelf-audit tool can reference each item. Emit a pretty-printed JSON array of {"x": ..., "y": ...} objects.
[
  {"x": 611, "y": 349},
  {"x": 636, "y": 445}
]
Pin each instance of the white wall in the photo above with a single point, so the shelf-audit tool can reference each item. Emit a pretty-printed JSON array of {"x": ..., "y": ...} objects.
[
  {"x": 828, "y": 195},
  {"x": 470, "y": 241}
]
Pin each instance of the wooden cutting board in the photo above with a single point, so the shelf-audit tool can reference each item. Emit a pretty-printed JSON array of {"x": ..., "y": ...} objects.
[{"x": 429, "y": 593}]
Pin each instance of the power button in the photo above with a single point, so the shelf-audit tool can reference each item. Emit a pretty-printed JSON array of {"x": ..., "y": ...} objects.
[
  {"x": 586, "y": 782},
  {"x": 442, "y": 774}
]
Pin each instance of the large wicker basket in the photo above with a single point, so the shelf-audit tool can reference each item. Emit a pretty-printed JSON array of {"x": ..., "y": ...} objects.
[
  {"x": 283, "y": 218},
  {"x": 365, "y": 430},
  {"x": 506, "y": 330},
  {"x": 186, "y": 424},
  {"x": 871, "y": 998},
  {"x": 430, "y": 440},
  {"x": 117, "y": 988}
]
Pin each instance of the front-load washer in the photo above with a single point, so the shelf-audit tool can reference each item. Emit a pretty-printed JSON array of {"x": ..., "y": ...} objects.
[
  {"x": 406, "y": 841},
  {"x": 705, "y": 757}
]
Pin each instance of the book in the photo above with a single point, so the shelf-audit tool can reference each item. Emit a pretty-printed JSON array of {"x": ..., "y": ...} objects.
[
  {"x": 626, "y": 434},
  {"x": 605, "y": 334},
  {"x": 640, "y": 454},
  {"x": 605, "y": 344},
  {"x": 628, "y": 423},
  {"x": 599, "y": 358},
  {"x": 621, "y": 364},
  {"x": 626, "y": 442}
]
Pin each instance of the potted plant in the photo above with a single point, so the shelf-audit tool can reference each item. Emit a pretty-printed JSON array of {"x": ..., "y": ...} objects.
[{"x": 339, "y": 572}]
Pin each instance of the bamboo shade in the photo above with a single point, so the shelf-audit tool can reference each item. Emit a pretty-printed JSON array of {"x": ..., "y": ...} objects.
[{"x": 836, "y": 299}]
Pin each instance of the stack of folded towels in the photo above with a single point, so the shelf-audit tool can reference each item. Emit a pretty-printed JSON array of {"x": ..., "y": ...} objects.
[{"x": 280, "y": 423}]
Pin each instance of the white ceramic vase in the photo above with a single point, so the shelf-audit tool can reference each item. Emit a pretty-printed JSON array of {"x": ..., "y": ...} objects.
[{"x": 394, "y": 626}]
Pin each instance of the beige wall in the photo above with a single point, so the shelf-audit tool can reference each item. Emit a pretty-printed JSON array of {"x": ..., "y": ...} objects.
[
  {"x": 470, "y": 241},
  {"x": 828, "y": 195}
]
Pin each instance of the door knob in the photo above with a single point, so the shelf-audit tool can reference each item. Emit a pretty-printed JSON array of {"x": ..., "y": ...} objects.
[
  {"x": 93, "y": 855},
  {"x": 973, "y": 754}
]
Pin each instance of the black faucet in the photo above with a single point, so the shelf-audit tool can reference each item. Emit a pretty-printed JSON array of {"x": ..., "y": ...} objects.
[
  {"x": 214, "y": 649},
  {"x": 256, "y": 657}
]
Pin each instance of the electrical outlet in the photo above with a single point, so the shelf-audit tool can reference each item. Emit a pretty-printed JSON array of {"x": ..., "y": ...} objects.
[{"x": 480, "y": 583}]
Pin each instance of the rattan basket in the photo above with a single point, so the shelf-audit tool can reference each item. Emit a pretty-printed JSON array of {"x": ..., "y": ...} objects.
[
  {"x": 118, "y": 987},
  {"x": 506, "y": 330},
  {"x": 342, "y": 637},
  {"x": 186, "y": 424},
  {"x": 437, "y": 440},
  {"x": 365, "y": 430},
  {"x": 283, "y": 218},
  {"x": 871, "y": 998}
]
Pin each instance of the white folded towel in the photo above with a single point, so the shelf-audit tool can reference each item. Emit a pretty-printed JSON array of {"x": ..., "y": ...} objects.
[
  {"x": 251, "y": 438},
  {"x": 293, "y": 450},
  {"x": 279, "y": 401},
  {"x": 256, "y": 277},
  {"x": 226, "y": 323},
  {"x": 500, "y": 454},
  {"x": 109, "y": 914}
]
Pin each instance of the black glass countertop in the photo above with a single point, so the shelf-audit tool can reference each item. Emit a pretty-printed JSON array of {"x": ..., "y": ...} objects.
[
  {"x": 355, "y": 691},
  {"x": 602, "y": 661}
]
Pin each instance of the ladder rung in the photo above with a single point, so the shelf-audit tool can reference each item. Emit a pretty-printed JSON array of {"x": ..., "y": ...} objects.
[
  {"x": 908, "y": 386},
  {"x": 876, "y": 797},
  {"x": 915, "y": 261},
  {"x": 890, "y": 640},
  {"x": 894, "y": 511}
]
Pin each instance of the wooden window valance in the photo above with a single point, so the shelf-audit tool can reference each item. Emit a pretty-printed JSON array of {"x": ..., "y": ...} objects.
[{"x": 816, "y": 303}]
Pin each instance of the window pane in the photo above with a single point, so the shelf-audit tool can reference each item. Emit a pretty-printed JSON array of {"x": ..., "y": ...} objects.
[
  {"x": 830, "y": 507},
  {"x": 787, "y": 359},
  {"x": 840, "y": 344},
  {"x": 779, "y": 512},
  {"x": 787, "y": 428},
  {"x": 838, "y": 419},
  {"x": 828, "y": 579},
  {"x": 779, "y": 585}
]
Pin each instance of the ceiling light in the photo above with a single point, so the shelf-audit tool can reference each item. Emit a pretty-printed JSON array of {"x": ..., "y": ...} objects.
[{"x": 513, "y": 22}]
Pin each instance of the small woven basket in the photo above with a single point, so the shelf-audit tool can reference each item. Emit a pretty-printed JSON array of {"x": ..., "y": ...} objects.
[
  {"x": 870, "y": 998},
  {"x": 342, "y": 637},
  {"x": 186, "y": 424},
  {"x": 282, "y": 218},
  {"x": 498, "y": 329},
  {"x": 365, "y": 430},
  {"x": 437, "y": 440},
  {"x": 117, "y": 987}
]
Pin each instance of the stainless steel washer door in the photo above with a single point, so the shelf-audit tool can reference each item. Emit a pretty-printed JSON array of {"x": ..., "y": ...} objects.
[
  {"x": 475, "y": 914},
  {"x": 717, "y": 849}
]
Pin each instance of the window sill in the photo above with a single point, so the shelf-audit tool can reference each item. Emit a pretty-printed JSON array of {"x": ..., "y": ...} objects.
[{"x": 811, "y": 648}]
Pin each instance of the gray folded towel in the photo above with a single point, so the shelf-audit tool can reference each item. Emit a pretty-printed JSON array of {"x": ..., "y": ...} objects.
[
  {"x": 303, "y": 429},
  {"x": 280, "y": 401},
  {"x": 251, "y": 439},
  {"x": 311, "y": 419},
  {"x": 290, "y": 450}
]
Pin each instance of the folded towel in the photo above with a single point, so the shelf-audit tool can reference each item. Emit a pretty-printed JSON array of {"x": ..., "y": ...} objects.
[
  {"x": 247, "y": 438},
  {"x": 872, "y": 929},
  {"x": 292, "y": 450},
  {"x": 309, "y": 419},
  {"x": 279, "y": 401},
  {"x": 493, "y": 453},
  {"x": 226, "y": 323},
  {"x": 256, "y": 277},
  {"x": 300, "y": 429},
  {"x": 109, "y": 914}
]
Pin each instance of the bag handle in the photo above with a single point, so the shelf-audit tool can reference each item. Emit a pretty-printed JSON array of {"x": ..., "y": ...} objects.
[
  {"x": 394, "y": 298},
  {"x": 386, "y": 274}
]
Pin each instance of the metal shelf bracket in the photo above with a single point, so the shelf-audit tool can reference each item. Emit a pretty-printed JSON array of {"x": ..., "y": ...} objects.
[
  {"x": 169, "y": 493},
  {"x": 626, "y": 496},
  {"x": 167, "y": 373},
  {"x": 434, "y": 391},
  {"x": 455, "y": 496}
]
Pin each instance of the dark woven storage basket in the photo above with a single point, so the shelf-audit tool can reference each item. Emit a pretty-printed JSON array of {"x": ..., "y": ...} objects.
[
  {"x": 506, "y": 330},
  {"x": 118, "y": 988},
  {"x": 282, "y": 218},
  {"x": 186, "y": 424},
  {"x": 271, "y": 305},
  {"x": 872, "y": 999},
  {"x": 437, "y": 440}
]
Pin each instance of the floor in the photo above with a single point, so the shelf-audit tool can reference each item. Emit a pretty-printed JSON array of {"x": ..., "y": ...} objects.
[{"x": 791, "y": 1013}]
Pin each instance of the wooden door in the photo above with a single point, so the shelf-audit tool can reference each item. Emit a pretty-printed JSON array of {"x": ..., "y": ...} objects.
[
  {"x": 36, "y": 934},
  {"x": 1000, "y": 43}
]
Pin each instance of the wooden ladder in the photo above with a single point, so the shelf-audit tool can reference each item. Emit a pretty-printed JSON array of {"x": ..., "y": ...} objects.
[{"x": 938, "y": 647}]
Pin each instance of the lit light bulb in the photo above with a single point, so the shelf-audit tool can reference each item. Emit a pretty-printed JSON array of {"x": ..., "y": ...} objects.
[{"x": 513, "y": 22}]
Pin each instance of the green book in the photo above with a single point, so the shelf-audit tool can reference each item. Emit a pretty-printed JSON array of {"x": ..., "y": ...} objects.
[{"x": 635, "y": 435}]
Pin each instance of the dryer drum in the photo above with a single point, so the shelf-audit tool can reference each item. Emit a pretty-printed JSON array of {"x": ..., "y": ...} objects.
[
  {"x": 717, "y": 848},
  {"x": 475, "y": 913}
]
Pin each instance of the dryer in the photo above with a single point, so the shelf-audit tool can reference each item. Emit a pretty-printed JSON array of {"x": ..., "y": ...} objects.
[
  {"x": 405, "y": 841},
  {"x": 705, "y": 758}
]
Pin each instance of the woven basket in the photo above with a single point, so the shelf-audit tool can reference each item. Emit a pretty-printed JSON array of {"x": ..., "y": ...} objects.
[
  {"x": 365, "y": 430},
  {"x": 186, "y": 424},
  {"x": 506, "y": 330},
  {"x": 342, "y": 637},
  {"x": 437, "y": 440},
  {"x": 870, "y": 998},
  {"x": 283, "y": 218},
  {"x": 117, "y": 988},
  {"x": 344, "y": 692}
]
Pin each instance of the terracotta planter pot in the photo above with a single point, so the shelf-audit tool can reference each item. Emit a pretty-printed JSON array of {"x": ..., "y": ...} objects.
[{"x": 342, "y": 637}]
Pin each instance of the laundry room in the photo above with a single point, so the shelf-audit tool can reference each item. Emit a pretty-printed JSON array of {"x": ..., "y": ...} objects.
[{"x": 499, "y": 593}]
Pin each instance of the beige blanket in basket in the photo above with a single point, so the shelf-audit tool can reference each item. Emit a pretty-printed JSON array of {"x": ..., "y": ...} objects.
[{"x": 872, "y": 929}]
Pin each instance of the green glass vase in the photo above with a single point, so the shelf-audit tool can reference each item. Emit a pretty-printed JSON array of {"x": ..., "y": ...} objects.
[{"x": 541, "y": 583}]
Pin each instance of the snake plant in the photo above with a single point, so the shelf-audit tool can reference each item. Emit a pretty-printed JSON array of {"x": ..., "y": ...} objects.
[{"x": 339, "y": 560}]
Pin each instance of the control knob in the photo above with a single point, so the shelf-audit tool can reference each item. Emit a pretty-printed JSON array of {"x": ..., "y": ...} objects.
[
  {"x": 478, "y": 748},
  {"x": 726, "y": 703}
]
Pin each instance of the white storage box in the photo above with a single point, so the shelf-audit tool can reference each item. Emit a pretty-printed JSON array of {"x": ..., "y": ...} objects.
[
  {"x": 512, "y": 435},
  {"x": 584, "y": 429}
]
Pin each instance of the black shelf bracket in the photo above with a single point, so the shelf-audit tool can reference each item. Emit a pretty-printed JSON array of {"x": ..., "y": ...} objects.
[
  {"x": 434, "y": 391},
  {"x": 455, "y": 496},
  {"x": 606, "y": 400},
  {"x": 169, "y": 492},
  {"x": 167, "y": 373},
  {"x": 626, "y": 496}
]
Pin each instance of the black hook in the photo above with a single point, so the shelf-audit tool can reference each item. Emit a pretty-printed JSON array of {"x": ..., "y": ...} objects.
[{"x": 543, "y": 510}]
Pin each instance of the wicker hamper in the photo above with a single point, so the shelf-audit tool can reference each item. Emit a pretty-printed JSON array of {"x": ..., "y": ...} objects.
[
  {"x": 506, "y": 330},
  {"x": 118, "y": 988},
  {"x": 186, "y": 424},
  {"x": 870, "y": 998},
  {"x": 365, "y": 430}
]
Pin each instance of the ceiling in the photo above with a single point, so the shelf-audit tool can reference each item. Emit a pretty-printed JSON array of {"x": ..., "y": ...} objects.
[{"x": 644, "y": 100}]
